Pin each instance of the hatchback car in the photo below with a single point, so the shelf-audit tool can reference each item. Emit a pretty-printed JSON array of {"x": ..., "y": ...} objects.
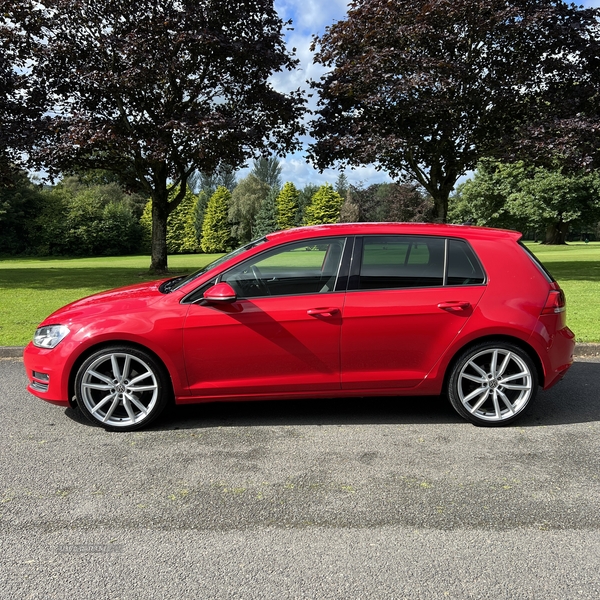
[{"x": 347, "y": 310}]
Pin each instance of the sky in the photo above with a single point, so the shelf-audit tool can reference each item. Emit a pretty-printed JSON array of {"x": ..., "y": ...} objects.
[{"x": 310, "y": 17}]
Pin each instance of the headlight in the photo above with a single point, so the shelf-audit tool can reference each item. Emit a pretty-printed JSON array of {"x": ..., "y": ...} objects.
[{"x": 49, "y": 336}]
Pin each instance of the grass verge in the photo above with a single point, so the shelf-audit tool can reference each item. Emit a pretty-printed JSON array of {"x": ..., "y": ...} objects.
[
  {"x": 576, "y": 267},
  {"x": 30, "y": 289}
]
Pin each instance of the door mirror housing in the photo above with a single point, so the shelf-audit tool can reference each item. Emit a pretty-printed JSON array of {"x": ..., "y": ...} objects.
[{"x": 220, "y": 293}]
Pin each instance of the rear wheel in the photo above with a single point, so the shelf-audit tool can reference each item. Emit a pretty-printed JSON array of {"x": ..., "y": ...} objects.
[
  {"x": 491, "y": 384},
  {"x": 122, "y": 388}
]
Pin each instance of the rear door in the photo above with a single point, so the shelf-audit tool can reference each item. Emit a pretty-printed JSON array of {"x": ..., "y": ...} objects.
[{"x": 408, "y": 298}]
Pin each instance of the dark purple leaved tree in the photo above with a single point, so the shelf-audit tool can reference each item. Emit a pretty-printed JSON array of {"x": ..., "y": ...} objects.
[
  {"x": 428, "y": 87},
  {"x": 153, "y": 90}
]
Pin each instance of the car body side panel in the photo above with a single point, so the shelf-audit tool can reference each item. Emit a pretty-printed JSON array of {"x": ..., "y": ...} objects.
[
  {"x": 393, "y": 338},
  {"x": 264, "y": 345},
  {"x": 157, "y": 327}
]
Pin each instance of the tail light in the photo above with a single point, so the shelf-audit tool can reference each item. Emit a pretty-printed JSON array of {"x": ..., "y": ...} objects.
[{"x": 555, "y": 303}]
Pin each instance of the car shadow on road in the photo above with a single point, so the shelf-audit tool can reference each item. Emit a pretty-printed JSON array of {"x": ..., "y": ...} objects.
[
  {"x": 574, "y": 400},
  {"x": 336, "y": 411}
]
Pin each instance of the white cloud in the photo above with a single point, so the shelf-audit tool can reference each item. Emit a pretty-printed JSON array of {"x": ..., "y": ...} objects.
[{"x": 311, "y": 17}]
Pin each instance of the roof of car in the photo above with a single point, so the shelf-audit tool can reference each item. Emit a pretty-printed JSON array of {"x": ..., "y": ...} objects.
[{"x": 459, "y": 231}]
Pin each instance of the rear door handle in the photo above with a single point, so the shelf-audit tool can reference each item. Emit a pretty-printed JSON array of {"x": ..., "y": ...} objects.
[
  {"x": 454, "y": 305},
  {"x": 323, "y": 312}
]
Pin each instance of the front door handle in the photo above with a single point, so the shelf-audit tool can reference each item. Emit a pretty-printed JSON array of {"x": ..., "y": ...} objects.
[
  {"x": 454, "y": 305},
  {"x": 323, "y": 312}
]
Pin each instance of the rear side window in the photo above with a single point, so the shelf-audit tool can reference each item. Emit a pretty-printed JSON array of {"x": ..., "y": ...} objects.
[
  {"x": 390, "y": 262},
  {"x": 463, "y": 266}
]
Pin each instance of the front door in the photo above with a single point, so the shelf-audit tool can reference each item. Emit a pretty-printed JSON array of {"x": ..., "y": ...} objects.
[{"x": 281, "y": 335}]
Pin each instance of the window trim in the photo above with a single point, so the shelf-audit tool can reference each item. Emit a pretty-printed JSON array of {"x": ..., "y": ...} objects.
[
  {"x": 357, "y": 256},
  {"x": 341, "y": 275}
]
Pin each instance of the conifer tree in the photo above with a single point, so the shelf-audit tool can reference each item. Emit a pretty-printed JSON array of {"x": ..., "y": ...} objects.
[
  {"x": 324, "y": 207},
  {"x": 308, "y": 191},
  {"x": 266, "y": 218},
  {"x": 287, "y": 206},
  {"x": 181, "y": 233},
  {"x": 216, "y": 230}
]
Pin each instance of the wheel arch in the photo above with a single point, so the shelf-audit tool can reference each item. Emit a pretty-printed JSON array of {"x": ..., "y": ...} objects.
[
  {"x": 108, "y": 344},
  {"x": 533, "y": 355}
]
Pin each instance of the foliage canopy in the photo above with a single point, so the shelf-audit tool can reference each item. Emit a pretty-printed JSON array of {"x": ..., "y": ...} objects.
[
  {"x": 428, "y": 87},
  {"x": 154, "y": 90}
]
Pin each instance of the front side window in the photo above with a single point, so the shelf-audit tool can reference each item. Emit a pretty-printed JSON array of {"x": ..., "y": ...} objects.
[
  {"x": 390, "y": 262},
  {"x": 307, "y": 267}
]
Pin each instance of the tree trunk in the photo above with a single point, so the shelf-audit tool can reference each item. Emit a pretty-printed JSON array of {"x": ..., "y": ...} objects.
[
  {"x": 440, "y": 207},
  {"x": 556, "y": 234},
  {"x": 160, "y": 212}
]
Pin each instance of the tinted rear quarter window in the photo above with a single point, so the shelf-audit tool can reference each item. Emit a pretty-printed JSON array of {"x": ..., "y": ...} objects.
[{"x": 463, "y": 266}]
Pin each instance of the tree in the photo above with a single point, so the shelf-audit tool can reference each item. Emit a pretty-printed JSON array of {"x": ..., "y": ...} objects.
[
  {"x": 481, "y": 200},
  {"x": 155, "y": 90},
  {"x": 350, "y": 211},
  {"x": 216, "y": 230},
  {"x": 181, "y": 231},
  {"x": 21, "y": 102},
  {"x": 305, "y": 198},
  {"x": 76, "y": 219},
  {"x": 287, "y": 206},
  {"x": 20, "y": 204},
  {"x": 246, "y": 200},
  {"x": 402, "y": 202},
  {"x": 518, "y": 196},
  {"x": 405, "y": 202},
  {"x": 324, "y": 207},
  {"x": 181, "y": 225},
  {"x": 266, "y": 218},
  {"x": 268, "y": 170},
  {"x": 342, "y": 185},
  {"x": 428, "y": 87},
  {"x": 209, "y": 182}
]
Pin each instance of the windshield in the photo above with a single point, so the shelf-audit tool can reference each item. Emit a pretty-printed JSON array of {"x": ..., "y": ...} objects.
[{"x": 178, "y": 282}]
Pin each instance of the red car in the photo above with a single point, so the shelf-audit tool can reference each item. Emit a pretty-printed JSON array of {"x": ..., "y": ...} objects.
[{"x": 348, "y": 310}]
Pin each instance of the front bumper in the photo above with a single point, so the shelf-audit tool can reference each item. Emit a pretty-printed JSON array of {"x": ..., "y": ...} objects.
[{"x": 48, "y": 373}]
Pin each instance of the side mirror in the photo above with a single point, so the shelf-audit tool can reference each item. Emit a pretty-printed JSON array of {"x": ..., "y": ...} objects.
[{"x": 220, "y": 293}]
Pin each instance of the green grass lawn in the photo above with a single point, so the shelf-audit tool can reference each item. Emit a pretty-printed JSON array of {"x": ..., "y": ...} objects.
[
  {"x": 576, "y": 267},
  {"x": 30, "y": 289}
]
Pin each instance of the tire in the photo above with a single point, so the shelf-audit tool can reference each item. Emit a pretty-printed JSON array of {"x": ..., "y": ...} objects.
[
  {"x": 122, "y": 388},
  {"x": 492, "y": 383}
]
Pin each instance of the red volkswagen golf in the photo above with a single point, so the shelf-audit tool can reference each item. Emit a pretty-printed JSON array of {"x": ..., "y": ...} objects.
[{"x": 366, "y": 309}]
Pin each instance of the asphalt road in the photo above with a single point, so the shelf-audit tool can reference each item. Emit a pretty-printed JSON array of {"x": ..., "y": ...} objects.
[{"x": 377, "y": 499}]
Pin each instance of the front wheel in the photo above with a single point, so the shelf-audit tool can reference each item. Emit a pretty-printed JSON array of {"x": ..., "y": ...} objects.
[
  {"x": 491, "y": 384},
  {"x": 121, "y": 388}
]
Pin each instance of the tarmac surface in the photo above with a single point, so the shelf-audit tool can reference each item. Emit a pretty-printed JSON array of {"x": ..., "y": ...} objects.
[{"x": 363, "y": 498}]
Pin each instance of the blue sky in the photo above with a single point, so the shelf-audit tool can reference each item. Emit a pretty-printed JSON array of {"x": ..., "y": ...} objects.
[{"x": 312, "y": 17}]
